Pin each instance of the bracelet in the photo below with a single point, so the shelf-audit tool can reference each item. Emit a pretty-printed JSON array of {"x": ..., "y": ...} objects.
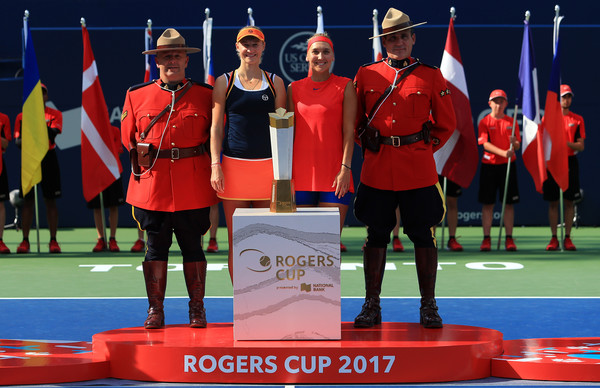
[
  {"x": 348, "y": 167},
  {"x": 215, "y": 164}
]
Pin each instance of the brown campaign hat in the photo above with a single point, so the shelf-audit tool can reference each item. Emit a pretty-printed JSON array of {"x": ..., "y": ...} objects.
[
  {"x": 395, "y": 21},
  {"x": 171, "y": 39}
]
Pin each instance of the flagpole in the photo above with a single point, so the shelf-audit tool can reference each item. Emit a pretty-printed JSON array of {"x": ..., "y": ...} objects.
[
  {"x": 445, "y": 185},
  {"x": 35, "y": 195},
  {"x": 561, "y": 213}
]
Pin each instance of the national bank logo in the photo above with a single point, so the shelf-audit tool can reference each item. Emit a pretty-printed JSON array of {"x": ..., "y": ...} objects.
[
  {"x": 292, "y": 56},
  {"x": 256, "y": 260}
]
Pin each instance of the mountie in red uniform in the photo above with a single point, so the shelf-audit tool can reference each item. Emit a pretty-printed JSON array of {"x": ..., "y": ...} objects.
[
  {"x": 171, "y": 183},
  {"x": 403, "y": 113},
  {"x": 414, "y": 120}
]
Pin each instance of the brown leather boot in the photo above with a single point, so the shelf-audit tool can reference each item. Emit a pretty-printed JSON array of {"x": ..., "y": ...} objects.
[
  {"x": 374, "y": 268},
  {"x": 155, "y": 275},
  {"x": 427, "y": 263},
  {"x": 195, "y": 279}
]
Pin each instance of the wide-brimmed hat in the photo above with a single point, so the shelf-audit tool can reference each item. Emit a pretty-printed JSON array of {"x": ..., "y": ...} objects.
[
  {"x": 497, "y": 93},
  {"x": 395, "y": 21},
  {"x": 566, "y": 89},
  {"x": 171, "y": 39}
]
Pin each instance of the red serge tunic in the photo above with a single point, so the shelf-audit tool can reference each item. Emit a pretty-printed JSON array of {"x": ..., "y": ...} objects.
[
  {"x": 318, "y": 137},
  {"x": 410, "y": 104},
  {"x": 171, "y": 185}
]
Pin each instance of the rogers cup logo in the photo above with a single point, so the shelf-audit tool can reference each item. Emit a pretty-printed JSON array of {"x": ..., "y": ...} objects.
[{"x": 292, "y": 56}]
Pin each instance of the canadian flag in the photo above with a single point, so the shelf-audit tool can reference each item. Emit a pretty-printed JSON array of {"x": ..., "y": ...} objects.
[
  {"x": 100, "y": 165},
  {"x": 457, "y": 159}
]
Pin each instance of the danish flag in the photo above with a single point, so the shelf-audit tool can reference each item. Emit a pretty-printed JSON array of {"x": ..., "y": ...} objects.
[{"x": 100, "y": 165}]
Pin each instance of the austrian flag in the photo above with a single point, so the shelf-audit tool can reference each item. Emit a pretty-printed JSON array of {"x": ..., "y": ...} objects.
[{"x": 100, "y": 165}]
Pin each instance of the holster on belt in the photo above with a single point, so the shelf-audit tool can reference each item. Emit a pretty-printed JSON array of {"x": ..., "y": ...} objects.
[
  {"x": 369, "y": 137},
  {"x": 135, "y": 168}
]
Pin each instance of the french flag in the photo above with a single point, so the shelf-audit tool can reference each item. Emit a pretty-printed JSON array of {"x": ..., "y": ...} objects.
[
  {"x": 529, "y": 100},
  {"x": 457, "y": 160},
  {"x": 552, "y": 127}
]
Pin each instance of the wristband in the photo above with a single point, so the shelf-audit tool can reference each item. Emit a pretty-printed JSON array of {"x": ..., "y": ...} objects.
[
  {"x": 215, "y": 164},
  {"x": 348, "y": 167}
]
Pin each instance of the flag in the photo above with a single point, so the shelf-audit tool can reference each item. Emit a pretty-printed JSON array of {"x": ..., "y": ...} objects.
[
  {"x": 209, "y": 76},
  {"x": 100, "y": 165},
  {"x": 377, "y": 51},
  {"x": 529, "y": 100},
  {"x": 151, "y": 72},
  {"x": 320, "y": 24},
  {"x": 320, "y": 30},
  {"x": 552, "y": 127},
  {"x": 34, "y": 132},
  {"x": 457, "y": 160},
  {"x": 250, "y": 18}
]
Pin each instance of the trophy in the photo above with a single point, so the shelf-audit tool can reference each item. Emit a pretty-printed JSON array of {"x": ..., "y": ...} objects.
[{"x": 283, "y": 197}]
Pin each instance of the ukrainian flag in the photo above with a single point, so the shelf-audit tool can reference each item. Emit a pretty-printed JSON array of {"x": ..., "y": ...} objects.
[{"x": 34, "y": 132}]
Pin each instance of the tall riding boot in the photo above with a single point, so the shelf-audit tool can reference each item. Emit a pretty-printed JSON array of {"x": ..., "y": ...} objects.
[
  {"x": 374, "y": 267},
  {"x": 195, "y": 280},
  {"x": 427, "y": 263},
  {"x": 155, "y": 275}
]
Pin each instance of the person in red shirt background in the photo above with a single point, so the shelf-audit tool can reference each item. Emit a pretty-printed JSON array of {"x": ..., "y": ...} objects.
[
  {"x": 414, "y": 118},
  {"x": 5, "y": 138},
  {"x": 575, "y": 131},
  {"x": 51, "y": 187},
  {"x": 112, "y": 197},
  {"x": 495, "y": 135}
]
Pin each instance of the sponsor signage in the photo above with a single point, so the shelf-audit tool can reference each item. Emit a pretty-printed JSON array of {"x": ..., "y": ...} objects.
[{"x": 286, "y": 271}]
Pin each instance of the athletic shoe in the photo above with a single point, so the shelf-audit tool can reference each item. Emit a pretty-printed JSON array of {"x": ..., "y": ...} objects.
[
  {"x": 569, "y": 246},
  {"x": 112, "y": 245},
  {"x": 510, "y": 244},
  {"x": 100, "y": 246},
  {"x": 486, "y": 245},
  {"x": 343, "y": 248},
  {"x": 397, "y": 244},
  {"x": 138, "y": 246},
  {"x": 54, "y": 247},
  {"x": 454, "y": 246},
  {"x": 212, "y": 247},
  {"x": 3, "y": 248},
  {"x": 23, "y": 247},
  {"x": 552, "y": 245}
]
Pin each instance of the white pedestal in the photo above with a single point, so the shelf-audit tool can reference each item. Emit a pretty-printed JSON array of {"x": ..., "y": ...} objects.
[{"x": 286, "y": 274}]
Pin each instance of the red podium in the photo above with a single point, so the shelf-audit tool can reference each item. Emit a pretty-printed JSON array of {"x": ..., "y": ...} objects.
[{"x": 390, "y": 353}]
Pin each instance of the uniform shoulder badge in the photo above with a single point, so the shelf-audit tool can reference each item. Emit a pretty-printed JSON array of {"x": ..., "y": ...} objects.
[{"x": 123, "y": 115}]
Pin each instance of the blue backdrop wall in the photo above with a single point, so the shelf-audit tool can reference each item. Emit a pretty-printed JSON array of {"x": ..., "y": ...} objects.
[{"x": 489, "y": 35}]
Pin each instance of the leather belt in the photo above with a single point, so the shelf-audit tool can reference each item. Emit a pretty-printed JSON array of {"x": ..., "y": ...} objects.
[
  {"x": 181, "y": 153},
  {"x": 398, "y": 141}
]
